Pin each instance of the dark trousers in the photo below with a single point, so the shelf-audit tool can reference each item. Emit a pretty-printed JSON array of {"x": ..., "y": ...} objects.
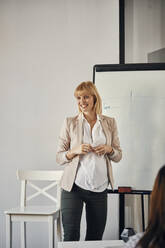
[{"x": 96, "y": 213}]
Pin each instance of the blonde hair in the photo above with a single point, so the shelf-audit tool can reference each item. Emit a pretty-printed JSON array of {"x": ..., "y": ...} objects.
[{"x": 91, "y": 89}]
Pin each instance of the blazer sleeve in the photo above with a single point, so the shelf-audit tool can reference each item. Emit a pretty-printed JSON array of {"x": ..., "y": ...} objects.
[
  {"x": 116, "y": 157},
  {"x": 63, "y": 143}
]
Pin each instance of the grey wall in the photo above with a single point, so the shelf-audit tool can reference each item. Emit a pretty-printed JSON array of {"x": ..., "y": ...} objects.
[
  {"x": 157, "y": 56},
  {"x": 144, "y": 29},
  {"x": 46, "y": 48}
]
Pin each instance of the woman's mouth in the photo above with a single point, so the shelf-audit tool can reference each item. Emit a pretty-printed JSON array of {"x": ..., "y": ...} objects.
[{"x": 84, "y": 106}]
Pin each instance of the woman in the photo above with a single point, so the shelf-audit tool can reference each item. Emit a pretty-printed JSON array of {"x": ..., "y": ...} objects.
[
  {"x": 154, "y": 236},
  {"x": 87, "y": 144}
]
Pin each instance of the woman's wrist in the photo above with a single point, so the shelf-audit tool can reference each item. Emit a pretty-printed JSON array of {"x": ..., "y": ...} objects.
[
  {"x": 111, "y": 152},
  {"x": 70, "y": 155}
]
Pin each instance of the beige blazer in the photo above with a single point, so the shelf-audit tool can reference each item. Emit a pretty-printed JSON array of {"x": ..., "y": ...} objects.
[{"x": 71, "y": 136}]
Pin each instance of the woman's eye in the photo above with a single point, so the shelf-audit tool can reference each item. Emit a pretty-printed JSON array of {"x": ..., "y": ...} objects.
[{"x": 86, "y": 97}]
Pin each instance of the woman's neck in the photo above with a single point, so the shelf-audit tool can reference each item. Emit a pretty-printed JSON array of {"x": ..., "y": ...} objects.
[{"x": 92, "y": 116}]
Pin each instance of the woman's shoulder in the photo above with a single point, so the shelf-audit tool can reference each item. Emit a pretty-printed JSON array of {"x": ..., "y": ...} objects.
[
  {"x": 106, "y": 117},
  {"x": 111, "y": 122},
  {"x": 72, "y": 119}
]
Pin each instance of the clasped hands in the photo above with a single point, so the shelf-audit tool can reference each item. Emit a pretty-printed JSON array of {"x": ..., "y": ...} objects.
[
  {"x": 86, "y": 148},
  {"x": 99, "y": 150}
]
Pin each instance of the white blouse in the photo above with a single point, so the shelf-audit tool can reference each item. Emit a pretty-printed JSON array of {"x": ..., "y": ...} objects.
[{"x": 92, "y": 170}]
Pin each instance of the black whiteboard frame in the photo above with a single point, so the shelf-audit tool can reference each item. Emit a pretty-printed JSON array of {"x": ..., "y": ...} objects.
[{"x": 127, "y": 67}]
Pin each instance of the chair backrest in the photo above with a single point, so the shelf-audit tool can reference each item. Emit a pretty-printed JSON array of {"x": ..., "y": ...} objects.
[{"x": 27, "y": 176}]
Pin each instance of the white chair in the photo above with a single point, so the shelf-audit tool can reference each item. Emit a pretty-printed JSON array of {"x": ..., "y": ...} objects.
[{"x": 24, "y": 213}]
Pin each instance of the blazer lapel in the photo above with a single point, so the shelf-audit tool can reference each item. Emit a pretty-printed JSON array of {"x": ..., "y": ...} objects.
[
  {"x": 79, "y": 128},
  {"x": 105, "y": 128}
]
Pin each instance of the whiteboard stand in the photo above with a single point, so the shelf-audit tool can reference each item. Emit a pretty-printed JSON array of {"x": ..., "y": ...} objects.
[{"x": 122, "y": 206}]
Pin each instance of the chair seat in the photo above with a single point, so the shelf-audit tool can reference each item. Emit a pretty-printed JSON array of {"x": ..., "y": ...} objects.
[{"x": 33, "y": 210}]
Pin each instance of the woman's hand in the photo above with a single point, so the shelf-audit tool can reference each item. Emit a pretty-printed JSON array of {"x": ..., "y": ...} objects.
[
  {"x": 79, "y": 150},
  {"x": 102, "y": 149},
  {"x": 82, "y": 149}
]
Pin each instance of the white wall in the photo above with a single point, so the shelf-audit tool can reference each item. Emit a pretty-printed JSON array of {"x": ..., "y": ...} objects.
[{"x": 47, "y": 47}]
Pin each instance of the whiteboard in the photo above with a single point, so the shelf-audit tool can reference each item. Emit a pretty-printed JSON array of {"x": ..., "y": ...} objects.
[{"x": 134, "y": 94}]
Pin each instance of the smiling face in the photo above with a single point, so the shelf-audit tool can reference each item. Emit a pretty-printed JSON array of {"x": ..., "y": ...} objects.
[
  {"x": 88, "y": 98},
  {"x": 85, "y": 102}
]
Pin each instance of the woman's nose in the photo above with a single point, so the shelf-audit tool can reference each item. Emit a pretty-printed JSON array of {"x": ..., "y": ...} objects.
[{"x": 82, "y": 100}]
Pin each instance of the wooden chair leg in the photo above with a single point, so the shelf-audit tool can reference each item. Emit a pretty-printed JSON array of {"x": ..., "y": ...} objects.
[
  {"x": 23, "y": 234},
  {"x": 51, "y": 231},
  {"x": 8, "y": 231}
]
